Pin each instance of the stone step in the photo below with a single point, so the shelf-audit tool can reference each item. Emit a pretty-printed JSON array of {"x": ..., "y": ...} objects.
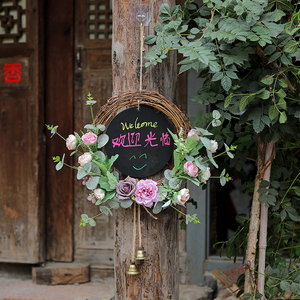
[
  {"x": 99, "y": 273},
  {"x": 61, "y": 273}
]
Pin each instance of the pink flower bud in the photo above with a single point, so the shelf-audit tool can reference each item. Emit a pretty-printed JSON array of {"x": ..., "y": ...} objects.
[
  {"x": 214, "y": 146},
  {"x": 71, "y": 142},
  {"x": 99, "y": 194},
  {"x": 91, "y": 198},
  {"x": 192, "y": 132},
  {"x": 182, "y": 196},
  {"x": 190, "y": 169},
  {"x": 84, "y": 158},
  {"x": 89, "y": 138},
  {"x": 205, "y": 175}
]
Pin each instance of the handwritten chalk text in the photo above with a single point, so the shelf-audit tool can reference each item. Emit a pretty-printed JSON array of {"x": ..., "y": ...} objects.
[
  {"x": 137, "y": 125},
  {"x": 134, "y": 140}
]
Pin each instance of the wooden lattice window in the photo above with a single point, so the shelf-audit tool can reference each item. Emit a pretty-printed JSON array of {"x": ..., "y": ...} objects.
[
  {"x": 12, "y": 21},
  {"x": 99, "y": 19}
]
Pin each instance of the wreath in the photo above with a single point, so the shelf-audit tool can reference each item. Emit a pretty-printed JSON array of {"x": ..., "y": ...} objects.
[{"x": 194, "y": 155}]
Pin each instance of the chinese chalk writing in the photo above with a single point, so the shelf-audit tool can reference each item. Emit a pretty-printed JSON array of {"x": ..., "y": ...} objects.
[{"x": 133, "y": 140}]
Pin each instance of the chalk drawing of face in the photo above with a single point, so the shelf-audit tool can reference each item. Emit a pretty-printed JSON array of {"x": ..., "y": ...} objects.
[
  {"x": 141, "y": 138},
  {"x": 139, "y": 168}
]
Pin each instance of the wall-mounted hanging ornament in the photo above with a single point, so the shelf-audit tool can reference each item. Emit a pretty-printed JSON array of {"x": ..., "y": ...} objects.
[
  {"x": 151, "y": 140},
  {"x": 134, "y": 136}
]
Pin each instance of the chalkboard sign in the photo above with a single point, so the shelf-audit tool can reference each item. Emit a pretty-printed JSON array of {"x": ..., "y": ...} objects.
[{"x": 141, "y": 139}]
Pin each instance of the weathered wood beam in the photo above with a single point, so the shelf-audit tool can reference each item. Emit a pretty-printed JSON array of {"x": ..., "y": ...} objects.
[
  {"x": 61, "y": 273},
  {"x": 159, "y": 274}
]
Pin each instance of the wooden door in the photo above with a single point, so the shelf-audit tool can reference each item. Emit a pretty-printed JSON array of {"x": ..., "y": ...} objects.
[
  {"x": 21, "y": 132},
  {"x": 59, "y": 48},
  {"x": 93, "y": 74}
]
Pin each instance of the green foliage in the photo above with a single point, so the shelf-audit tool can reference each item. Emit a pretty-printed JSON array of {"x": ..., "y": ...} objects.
[{"x": 248, "y": 53}]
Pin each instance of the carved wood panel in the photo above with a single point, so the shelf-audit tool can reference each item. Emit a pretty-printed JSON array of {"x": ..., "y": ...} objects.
[
  {"x": 99, "y": 19},
  {"x": 12, "y": 21}
]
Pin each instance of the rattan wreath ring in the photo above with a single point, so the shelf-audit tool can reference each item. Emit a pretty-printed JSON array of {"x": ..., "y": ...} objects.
[{"x": 153, "y": 99}]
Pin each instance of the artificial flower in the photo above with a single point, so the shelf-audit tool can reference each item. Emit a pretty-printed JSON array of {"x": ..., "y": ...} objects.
[
  {"x": 192, "y": 132},
  {"x": 71, "y": 142},
  {"x": 214, "y": 146},
  {"x": 182, "y": 196},
  {"x": 89, "y": 138},
  {"x": 190, "y": 169},
  {"x": 91, "y": 198},
  {"x": 146, "y": 192},
  {"x": 84, "y": 158},
  {"x": 205, "y": 175},
  {"x": 125, "y": 188},
  {"x": 99, "y": 194},
  {"x": 85, "y": 179}
]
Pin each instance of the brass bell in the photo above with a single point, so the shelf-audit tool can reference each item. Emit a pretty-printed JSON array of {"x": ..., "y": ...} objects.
[
  {"x": 132, "y": 270},
  {"x": 140, "y": 254}
]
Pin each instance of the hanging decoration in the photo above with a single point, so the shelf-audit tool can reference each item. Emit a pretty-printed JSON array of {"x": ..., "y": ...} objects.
[
  {"x": 137, "y": 133},
  {"x": 192, "y": 160}
]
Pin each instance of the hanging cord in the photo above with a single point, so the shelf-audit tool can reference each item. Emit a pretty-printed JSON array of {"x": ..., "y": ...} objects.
[
  {"x": 134, "y": 231},
  {"x": 141, "y": 54},
  {"x": 150, "y": 213},
  {"x": 139, "y": 224},
  {"x": 141, "y": 58}
]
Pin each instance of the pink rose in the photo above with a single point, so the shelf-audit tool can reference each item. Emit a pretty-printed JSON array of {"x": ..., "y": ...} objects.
[
  {"x": 182, "y": 196},
  {"x": 205, "y": 175},
  {"x": 146, "y": 192},
  {"x": 84, "y": 158},
  {"x": 190, "y": 169},
  {"x": 71, "y": 142},
  {"x": 89, "y": 138},
  {"x": 192, "y": 132},
  {"x": 125, "y": 188}
]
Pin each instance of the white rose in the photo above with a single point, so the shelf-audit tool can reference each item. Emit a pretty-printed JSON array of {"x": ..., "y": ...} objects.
[
  {"x": 205, "y": 175},
  {"x": 182, "y": 196},
  {"x": 214, "y": 146},
  {"x": 71, "y": 142},
  {"x": 99, "y": 194},
  {"x": 84, "y": 158}
]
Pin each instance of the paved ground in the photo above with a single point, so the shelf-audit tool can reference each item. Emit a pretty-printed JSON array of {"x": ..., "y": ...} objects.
[{"x": 14, "y": 289}]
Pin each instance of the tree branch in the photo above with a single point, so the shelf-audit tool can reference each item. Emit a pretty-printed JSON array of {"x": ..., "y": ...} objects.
[{"x": 274, "y": 66}]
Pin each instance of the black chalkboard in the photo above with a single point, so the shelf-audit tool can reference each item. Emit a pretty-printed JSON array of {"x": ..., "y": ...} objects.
[{"x": 141, "y": 139}]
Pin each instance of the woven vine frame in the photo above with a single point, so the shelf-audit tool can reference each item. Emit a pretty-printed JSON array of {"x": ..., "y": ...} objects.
[{"x": 153, "y": 99}]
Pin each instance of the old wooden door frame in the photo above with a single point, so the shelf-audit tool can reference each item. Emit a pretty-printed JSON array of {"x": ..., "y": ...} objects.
[
  {"x": 59, "y": 62},
  {"x": 199, "y": 259}
]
